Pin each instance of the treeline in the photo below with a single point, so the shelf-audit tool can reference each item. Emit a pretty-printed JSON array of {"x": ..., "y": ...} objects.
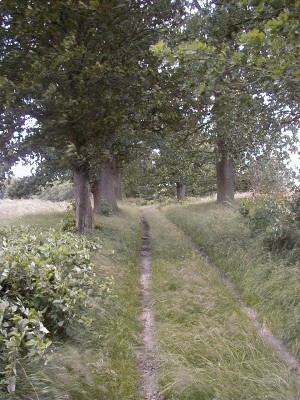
[{"x": 190, "y": 92}]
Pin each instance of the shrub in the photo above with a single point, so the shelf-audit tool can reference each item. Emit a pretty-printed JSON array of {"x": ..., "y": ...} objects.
[
  {"x": 45, "y": 282},
  {"x": 68, "y": 223},
  {"x": 274, "y": 220}
]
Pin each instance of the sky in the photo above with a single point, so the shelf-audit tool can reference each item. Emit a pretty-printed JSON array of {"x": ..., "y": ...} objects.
[{"x": 21, "y": 170}]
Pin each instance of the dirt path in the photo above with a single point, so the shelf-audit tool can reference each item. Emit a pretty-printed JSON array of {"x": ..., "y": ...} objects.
[
  {"x": 262, "y": 330},
  {"x": 146, "y": 356}
]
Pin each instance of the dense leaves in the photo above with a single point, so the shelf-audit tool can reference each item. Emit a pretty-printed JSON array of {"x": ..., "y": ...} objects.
[
  {"x": 45, "y": 282},
  {"x": 274, "y": 220}
]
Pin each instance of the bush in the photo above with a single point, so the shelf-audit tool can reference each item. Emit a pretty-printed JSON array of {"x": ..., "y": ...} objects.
[
  {"x": 274, "y": 220},
  {"x": 68, "y": 223},
  {"x": 45, "y": 282}
]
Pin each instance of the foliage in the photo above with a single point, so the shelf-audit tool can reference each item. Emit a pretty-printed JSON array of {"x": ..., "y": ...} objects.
[
  {"x": 295, "y": 205},
  {"x": 274, "y": 220},
  {"x": 22, "y": 188},
  {"x": 235, "y": 104},
  {"x": 58, "y": 191},
  {"x": 155, "y": 176},
  {"x": 46, "y": 279},
  {"x": 105, "y": 208},
  {"x": 98, "y": 361},
  {"x": 265, "y": 175},
  {"x": 83, "y": 71},
  {"x": 68, "y": 223}
]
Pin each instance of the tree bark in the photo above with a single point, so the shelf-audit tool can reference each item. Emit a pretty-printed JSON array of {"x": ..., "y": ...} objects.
[
  {"x": 84, "y": 212},
  {"x": 104, "y": 189},
  {"x": 96, "y": 191},
  {"x": 118, "y": 184},
  {"x": 225, "y": 175},
  {"x": 180, "y": 190}
]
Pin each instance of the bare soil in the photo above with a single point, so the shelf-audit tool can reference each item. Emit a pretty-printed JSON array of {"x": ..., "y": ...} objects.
[{"x": 147, "y": 350}]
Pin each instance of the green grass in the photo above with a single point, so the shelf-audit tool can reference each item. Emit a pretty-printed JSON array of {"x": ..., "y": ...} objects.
[
  {"x": 207, "y": 349},
  {"x": 98, "y": 362},
  {"x": 41, "y": 221},
  {"x": 269, "y": 283}
]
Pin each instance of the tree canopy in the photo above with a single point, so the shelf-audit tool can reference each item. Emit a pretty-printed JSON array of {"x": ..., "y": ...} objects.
[{"x": 98, "y": 78}]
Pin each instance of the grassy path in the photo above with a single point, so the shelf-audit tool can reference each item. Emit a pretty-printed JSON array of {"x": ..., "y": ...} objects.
[
  {"x": 207, "y": 348},
  {"x": 204, "y": 346}
]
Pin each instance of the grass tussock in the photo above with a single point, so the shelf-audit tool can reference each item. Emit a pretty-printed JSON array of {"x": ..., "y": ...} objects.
[
  {"x": 268, "y": 282},
  {"x": 99, "y": 361},
  {"x": 207, "y": 348}
]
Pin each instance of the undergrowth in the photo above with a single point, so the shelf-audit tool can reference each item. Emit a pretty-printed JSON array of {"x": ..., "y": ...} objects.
[
  {"x": 274, "y": 221},
  {"x": 46, "y": 279},
  {"x": 96, "y": 360}
]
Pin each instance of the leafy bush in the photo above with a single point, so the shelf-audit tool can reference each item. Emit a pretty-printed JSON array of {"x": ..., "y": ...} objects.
[
  {"x": 45, "y": 282},
  {"x": 274, "y": 220},
  {"x": 68, "y": 223}
]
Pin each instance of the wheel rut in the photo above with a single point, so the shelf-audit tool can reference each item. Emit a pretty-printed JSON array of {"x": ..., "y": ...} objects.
[
  {"x": 147, "y": 350},
  {"x": 262, "y": 329}
]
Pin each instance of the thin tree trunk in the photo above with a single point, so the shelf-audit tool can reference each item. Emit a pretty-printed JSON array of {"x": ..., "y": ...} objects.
[
  {"x": 180, "y": 190},
  {"x": 107, "y": 183},
  {"x": 225, "y": 176},
  {"x": 84, "y": 213},
  {"x": 118, "y": 184}
]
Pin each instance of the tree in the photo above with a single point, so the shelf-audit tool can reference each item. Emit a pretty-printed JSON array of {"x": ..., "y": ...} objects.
[
  {"x": 80, "y": 68},
  {"x": 241, "y": 110}
]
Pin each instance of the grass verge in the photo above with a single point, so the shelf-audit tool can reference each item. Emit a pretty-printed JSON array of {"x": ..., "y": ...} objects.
[
  {"x": 207, "y": 349},
  {"x": 97, "y": 362},
  {"x": 268, "y": 283}
]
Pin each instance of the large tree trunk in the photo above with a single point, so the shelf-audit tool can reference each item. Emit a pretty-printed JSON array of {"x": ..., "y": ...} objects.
[
  {"x": 118, "y": 184},
  {"x": 104, "y": 190},
  {"x": 96, "y": 191},
  {"x": 84, "y": 212},
  {"x": 225, "y": 175},
  {"x": 180, "y": 190}
]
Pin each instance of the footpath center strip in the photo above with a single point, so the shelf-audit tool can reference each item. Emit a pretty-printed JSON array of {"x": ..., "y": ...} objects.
[{"x": 146, "y": 356}]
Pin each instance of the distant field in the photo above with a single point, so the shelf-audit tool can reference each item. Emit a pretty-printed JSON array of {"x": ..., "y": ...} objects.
[{"x": 10, "y": 209}]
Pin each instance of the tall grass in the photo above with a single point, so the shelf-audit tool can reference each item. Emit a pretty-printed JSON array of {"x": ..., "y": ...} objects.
[
  {"x": 268, "y": 282},
  {"x": 207, "y": 348},
  {"x": 11, "y": 209},
  {"x": 97, "y": 362}
]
